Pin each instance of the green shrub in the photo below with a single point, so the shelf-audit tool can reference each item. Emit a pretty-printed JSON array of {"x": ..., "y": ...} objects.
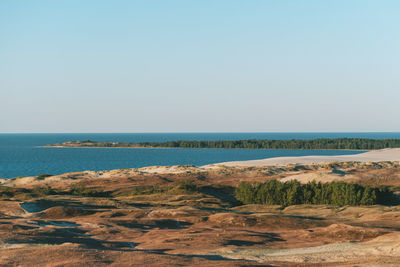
[
  {"x": 6, "y": 192},
  {"x": 79, "y": 189},
  {"x": 179, "y": 187},
  {"x": 43, "y": 175},
  {"x": 39, "y": 190},
  {"x": 147, "y": 190},
  {"x": 274, "y": 192},
  {"x": 188, "y": 186},
  {"x": 9, "y": 192}
]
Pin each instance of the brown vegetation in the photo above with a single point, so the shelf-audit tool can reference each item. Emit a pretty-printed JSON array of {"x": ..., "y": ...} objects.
[{"x": 169, "y": 216}]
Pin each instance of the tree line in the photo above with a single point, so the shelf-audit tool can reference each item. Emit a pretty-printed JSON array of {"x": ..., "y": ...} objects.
[
  {"x": 274, "y": 192},
  {"x": 323, "y": 143}
]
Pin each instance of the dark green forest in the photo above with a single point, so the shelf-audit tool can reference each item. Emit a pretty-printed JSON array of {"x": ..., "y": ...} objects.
[
  {"x": 274, "y": 192},
  {"x": 337, "y": 143}
]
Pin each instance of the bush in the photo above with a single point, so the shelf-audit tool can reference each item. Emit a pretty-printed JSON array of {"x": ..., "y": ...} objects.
[
  {"x": 9, "y": 192},
  {"x": 81, "y": 190},
  {"x": 147, "y": 190},
  {"x": 43, "y": 191},
  {"x": 179, "y": 187},
  {"x": 185, "y": 186},
  {"x": 274, "y": 192},
  {"x": 43, "y": 175}
]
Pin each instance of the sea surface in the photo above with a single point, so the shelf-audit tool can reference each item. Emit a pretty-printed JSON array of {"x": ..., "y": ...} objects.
[{"x": 24, "y": 154}]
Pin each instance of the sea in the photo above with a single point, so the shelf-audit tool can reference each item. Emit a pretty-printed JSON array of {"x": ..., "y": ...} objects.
[{"x": 25, "y": 154}]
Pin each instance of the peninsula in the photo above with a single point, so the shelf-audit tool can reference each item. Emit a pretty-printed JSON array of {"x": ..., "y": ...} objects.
[{"x": 323, "y": 143}]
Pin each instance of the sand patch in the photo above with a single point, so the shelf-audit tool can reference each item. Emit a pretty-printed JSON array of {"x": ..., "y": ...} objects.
[{"x": 390, "y": 154}]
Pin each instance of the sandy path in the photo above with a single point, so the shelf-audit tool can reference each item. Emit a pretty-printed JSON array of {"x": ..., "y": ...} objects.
[{"x": 390, "y": 154}]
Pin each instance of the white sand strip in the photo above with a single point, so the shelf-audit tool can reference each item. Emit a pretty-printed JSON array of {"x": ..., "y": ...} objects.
[{"x": 390, "y": 154}]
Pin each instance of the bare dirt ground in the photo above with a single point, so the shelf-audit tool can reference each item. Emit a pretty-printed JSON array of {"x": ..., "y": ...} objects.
[{"x": 148, "y": 217}]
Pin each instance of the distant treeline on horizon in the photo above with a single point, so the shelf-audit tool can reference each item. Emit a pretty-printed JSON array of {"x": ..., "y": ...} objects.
[{"x": 323, "y": 143}]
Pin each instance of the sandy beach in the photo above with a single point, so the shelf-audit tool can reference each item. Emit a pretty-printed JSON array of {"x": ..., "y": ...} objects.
[{"x": 390, "y": 154}]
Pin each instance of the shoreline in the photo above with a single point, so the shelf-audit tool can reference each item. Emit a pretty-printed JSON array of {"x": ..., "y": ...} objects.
[
  {"x": 320, "y": 149},
  {"x": 389, "y": 155},
  {"x": 356, "y": 152},
  {"x": 384, "y": 155}
]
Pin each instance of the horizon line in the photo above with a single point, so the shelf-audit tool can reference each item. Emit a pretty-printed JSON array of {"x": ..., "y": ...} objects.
[{"x": 193, "y": 132}]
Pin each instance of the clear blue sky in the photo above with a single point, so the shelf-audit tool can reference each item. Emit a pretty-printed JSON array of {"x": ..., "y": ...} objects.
[{"x": 209, "y": 65}]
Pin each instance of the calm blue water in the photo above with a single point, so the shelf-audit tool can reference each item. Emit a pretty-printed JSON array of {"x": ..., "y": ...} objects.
[{"x": 21, "y": 154}]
